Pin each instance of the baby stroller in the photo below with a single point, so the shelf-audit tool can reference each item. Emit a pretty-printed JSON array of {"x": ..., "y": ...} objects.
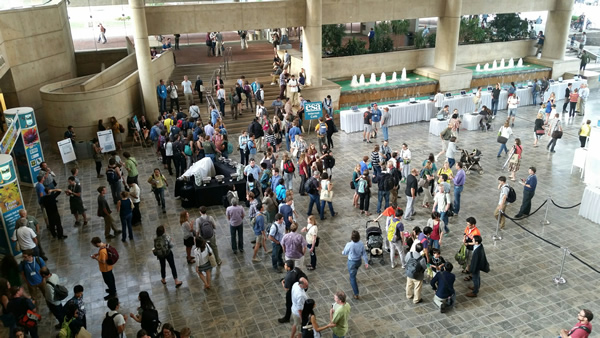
[
  {"x": 374, "y": 242},
  {"x": 471, "y": 161}
]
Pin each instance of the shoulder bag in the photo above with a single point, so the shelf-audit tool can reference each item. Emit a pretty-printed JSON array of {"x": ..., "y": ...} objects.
[{"x": 557, "y": 133}]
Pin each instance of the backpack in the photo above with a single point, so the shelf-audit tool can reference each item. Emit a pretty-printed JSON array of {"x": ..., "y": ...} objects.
[
  {"x": 265, "y": 179},
  {"x": 65, "y": 330},
  {"x": 229, "y": 148},
  {"x": 60, "y": 292},
  {"x": 461, "y": 256},
  {"x": 288, "y": 167},
  {"x": 258, "y": 95},
  {"x": 446, "y": 134},
  {"x": 388, "y": 182},
  {"x": 310, "y": 187},
  {"x": 150, "y": 322},
  {"x": 512, "y": 195},
  {"x": 161, "y": 247},
  {"x": 322, "y": 129},
  {"x": 394, "y": 234},
  {"x": 206, "y": 229},
  {"x": 362, "y": 186},
  {"x": 113, "y": 255},
  {"x": 109, "y": 329},
  {"x": 329, "y": 162},
  {"x": 188, "y": 150},
  {"x": 111, "y": 175},
  {"x": 414, "y": 267},
  {"x": 194, "y": 112}
]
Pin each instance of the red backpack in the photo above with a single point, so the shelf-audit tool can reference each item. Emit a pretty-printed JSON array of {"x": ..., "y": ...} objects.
[
  {"x": 113, "y": 255},
  {"x": 288, "y": 167}
]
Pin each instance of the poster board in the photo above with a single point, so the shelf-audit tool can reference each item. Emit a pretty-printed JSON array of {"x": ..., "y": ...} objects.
[
  {"x": 137, "y": 124},
  {"x": 313, "y": 110},
  {"x": 106, "y": 141},
  {"x": 67, "y": 153}
]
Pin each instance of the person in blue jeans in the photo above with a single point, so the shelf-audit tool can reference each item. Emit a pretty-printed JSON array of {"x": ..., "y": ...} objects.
[
  {"x": 125, "y": 209},
  {"x": 459, "y": 182},
  {"x": 313, "y": 193},
  {"x": 326, "y": 185},
  {"x": 275, "y": 236},
  {"x": 355, "y": 250}
]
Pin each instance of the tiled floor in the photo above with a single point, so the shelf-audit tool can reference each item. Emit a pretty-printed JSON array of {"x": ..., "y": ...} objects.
[{"x": 517, "y": 298}]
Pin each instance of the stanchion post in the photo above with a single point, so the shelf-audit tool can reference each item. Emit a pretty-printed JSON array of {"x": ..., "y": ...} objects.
[
  {"x": 497, "y": 236},
  {"x": 560, "y": 279},
  {"x": 546, "y": 221}
]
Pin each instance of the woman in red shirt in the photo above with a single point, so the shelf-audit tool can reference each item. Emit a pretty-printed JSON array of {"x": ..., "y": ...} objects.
[
  {"x": 573, "y": 98},
  {"x": 515, "y": 160},
  {"x": 303, "y": 169},
  {"x": 436, "y": 233}
]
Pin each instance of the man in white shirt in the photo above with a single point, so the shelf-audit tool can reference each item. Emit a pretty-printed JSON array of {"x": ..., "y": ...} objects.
[
  {"x": 187, "y": 90},
  {"x": 55, "y": 306},
  {"x": 502, "y": 202},
  {"x": 174, "y": 98},
  {"x": 221, "y": 99},
  {"x": 134, "y": 193},
  {"x": 25, "y": 236},
  {"x": 584, "y": 92},
  {"x": 119, "y": 319},
  {"x": 439, "y": 100},
  {"x": 293, "y": 84},
  {"x": 299, "y": 296}
]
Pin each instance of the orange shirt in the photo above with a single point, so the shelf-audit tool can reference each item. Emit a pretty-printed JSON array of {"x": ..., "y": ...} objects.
[
  {"x": 472, "y": 232},
  {"x": 103, "y": 257}
]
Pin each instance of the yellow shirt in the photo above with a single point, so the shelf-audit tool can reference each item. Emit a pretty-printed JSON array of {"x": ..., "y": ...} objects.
[
  {"x": 168, "y": 124},
  {"x": 102, "y": 257},
  {"x": 444, "y": 171},
  {"x": 585, "y": 130}
]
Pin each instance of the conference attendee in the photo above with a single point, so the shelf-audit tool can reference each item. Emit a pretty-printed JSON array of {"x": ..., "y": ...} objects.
[
  {"x": 235, "y": 216},
  {"x": 339, "y": 314},
  {"x": 459, "y": 182},
  {"x": 55, "y": 306},
  {"x": 355, "y": 250},
  {"x": 411, "y": 193},
  {"x": 294, "y": 245},
  {"x": 583, "y": 327},
  {"x": 416, "y": 264},
  {"x": 478, "y": 263},
  {"x": 584, "y": 133},
  {"x": 470, "y": 232},
  {"x": 529, "y": 186},
  {"x": 299, "y": 296},
  {"x": 443, "y": 284},
  {"x": 554, "y": 131},
  {"x": 105, "y": 268}
]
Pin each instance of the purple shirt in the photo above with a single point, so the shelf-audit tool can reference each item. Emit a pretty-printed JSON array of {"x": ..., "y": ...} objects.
[
  {"x": 235, "y": 214},
  {"x": 293, "y": 243},
  {"x": 459, "y": 179}
]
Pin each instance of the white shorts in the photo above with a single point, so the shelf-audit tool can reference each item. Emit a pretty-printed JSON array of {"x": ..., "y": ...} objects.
[
  {"x": 367, "y": 128},
  {"x": 376, "y": 125}
]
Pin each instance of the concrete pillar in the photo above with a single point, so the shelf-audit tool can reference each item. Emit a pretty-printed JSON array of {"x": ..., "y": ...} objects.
[
  {"x": 446, "y": 42},
  {"x": 413, "y": 25},
  {"x": 144, "y": 63},
  {"x": 311, "y": 47},
  {"x": 557, "y": 30}
]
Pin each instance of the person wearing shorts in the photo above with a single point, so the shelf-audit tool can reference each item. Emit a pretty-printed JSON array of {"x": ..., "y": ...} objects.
[
  {"x": 367, "y": 125},
  {"x": 513, "y": 102}
]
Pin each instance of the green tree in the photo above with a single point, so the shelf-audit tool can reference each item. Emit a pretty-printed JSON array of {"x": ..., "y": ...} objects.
[
  {"x": 332, "y": 36},
  {"x": 419, "y": 39},
  {"x": 354, "y": 46},
  {"x": 509, "y": 26},
  {"x": 430, "y": 40},
  {"x": 382, "y": 42},
  {"x": 471, "y": 31},
  {"x": 400, "y": 27}
]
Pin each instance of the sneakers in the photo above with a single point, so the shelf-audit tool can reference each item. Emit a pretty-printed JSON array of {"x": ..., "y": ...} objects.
[
  {"x": 283, "y": 320},
  {"x": 443, "y": 308},
  {"x": 471, "y": 294},
  {"x": 256, "y": 259}
]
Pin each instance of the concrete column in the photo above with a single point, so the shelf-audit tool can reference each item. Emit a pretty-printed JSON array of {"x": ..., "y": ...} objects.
[
  {"x": 311, "y": 47},
  {"x": 557, "y": 30},
  {"x": 446, "y": 42},
  {"x": 144, "y": 63}
]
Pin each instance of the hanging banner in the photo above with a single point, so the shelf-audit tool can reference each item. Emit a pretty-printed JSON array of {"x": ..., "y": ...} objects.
[
  {"x": 12, "y": 133},
  {"x": 106, "y": 140},
  {"x": 67, "y": 153},
  {"x": 10, "y": 203}
]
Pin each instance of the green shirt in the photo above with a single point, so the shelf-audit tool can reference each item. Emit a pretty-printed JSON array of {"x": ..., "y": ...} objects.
[
  {"x": 340, "y": 319},
  {"x": 131, "y": 166}
]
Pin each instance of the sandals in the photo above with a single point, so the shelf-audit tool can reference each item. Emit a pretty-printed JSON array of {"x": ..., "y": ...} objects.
[
  {"x": 468, "y": 278},
  {"x": 465, "y": 271},
  {"x": 308, "y": 267},
  {"x": 163, "y": 281}
]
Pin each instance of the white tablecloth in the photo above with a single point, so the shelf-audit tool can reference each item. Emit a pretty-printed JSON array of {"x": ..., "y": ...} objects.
[
  {"x": 351, "y": 121},
  {"x": 436, "y": 127},
  {"x": 558, "y": 88},
  {"x": 589, "y": 204},
  {"x": 470, "y": 122}
]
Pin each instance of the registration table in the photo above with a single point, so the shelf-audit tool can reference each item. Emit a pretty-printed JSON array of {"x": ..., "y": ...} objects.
[
  {"x": 401, "y": 113},
  {"x": 589, "y": 204},
  {"x": 436, "y": 127},
  {"x": 470, "y": 121}
]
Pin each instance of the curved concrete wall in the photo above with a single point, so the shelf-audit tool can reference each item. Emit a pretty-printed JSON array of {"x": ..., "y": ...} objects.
[{"x": 82, "y": 109}]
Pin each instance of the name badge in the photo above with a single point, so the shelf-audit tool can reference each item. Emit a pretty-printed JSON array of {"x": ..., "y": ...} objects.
[{"x": 33, "y": 273}]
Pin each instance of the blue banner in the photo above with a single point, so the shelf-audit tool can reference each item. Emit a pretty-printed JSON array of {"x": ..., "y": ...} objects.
[{"x": 10, "y": 204}]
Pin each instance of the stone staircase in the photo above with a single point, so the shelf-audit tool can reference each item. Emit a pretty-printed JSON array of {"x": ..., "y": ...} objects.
[{"x": 253, "y": 69}]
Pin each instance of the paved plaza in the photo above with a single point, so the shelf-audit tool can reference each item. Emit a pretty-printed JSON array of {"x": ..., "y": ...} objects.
[{"x": 517, "y": 297}]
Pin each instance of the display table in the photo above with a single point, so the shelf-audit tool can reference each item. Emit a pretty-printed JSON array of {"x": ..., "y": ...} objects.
[
  {"x": 558, "y": 88},
  {"x": 195, "y": 196},
  {"x": 436, "y": 127},
  {"x": 400, "y": 113},
  {"x": 589, "y": 204},
  {"x": 471, "y": 122}
]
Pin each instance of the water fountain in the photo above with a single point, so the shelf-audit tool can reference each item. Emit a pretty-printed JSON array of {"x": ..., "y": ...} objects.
[
  {"x": 494, "y": 65},
  {"x": 373, "y": 79},
  {"x": 478, "y": 68},
  {"x": 501, "y": 64},
  {"x": 393, "y": 77},
  {"x": 511, "y": 63},
  {"x": 520, "y": 63},
  {"x": 361, "y": 81},
  {"x": 403, "y": 77},
  {"x": 486, "y": 67},
  {"x": 383, "y": 78},
  {"x": 354, "y": 82}
]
